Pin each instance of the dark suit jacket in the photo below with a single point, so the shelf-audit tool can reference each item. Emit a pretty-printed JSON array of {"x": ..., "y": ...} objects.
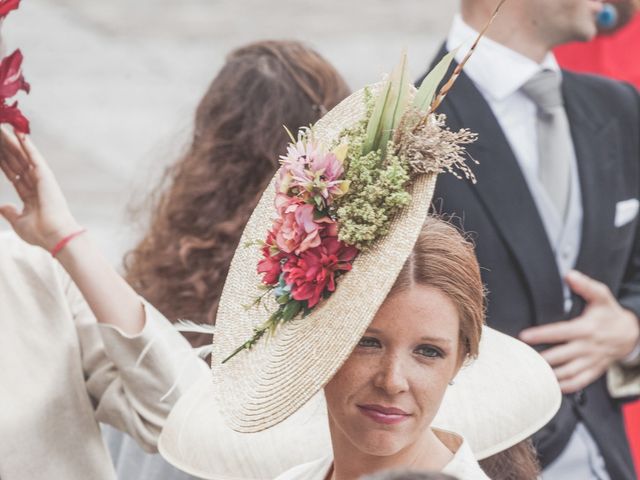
[{"x": 518, "y": 265}]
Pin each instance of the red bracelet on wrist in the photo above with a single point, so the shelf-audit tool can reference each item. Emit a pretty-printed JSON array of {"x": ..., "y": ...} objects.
[{"x": 63, "y": 243}]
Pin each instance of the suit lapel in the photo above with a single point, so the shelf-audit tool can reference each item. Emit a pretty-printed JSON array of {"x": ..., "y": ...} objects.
[
  {"x": 596, "y": 143},
  {"x": 504, "y": 193}
]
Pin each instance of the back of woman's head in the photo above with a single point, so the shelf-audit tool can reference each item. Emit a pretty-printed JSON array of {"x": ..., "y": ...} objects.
[
  {"x": 197, "y": 220},
  {"x": 442, "y": 258}
]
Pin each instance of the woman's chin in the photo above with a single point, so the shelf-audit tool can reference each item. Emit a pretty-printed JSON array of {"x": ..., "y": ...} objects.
[{"x": 382, "y": 444}]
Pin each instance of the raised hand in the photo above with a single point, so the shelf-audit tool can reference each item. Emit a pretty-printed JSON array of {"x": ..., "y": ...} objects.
[
  {"x": 45, "y": 220},
  {"x": 45, "y": 217}
]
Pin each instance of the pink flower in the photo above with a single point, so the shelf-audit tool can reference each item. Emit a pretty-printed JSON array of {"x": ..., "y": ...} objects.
[
  {"x": 296, "y": 228},
  {"x": 313, "y": 272},
  {"x": 271, "y": 263},
  {"x": 308, "y": 171}
]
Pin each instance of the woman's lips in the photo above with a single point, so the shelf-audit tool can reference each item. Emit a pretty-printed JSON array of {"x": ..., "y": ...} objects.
[{"x": 384, "y": 415}]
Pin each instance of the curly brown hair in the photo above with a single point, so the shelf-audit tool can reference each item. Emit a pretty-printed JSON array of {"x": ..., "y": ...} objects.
[{"x": 197, "y": 220}]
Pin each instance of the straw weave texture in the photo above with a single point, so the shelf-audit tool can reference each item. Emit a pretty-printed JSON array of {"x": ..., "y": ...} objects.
[{"x": 261, "y": 387}]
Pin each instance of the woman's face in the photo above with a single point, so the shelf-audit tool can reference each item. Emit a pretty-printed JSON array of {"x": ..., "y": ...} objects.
[{"x": 387, "y": 393}]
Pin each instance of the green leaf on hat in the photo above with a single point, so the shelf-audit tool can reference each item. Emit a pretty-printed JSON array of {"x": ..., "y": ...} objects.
[
  {"x": 429, "y": 86},
  {"x": 388, "y": 109}
]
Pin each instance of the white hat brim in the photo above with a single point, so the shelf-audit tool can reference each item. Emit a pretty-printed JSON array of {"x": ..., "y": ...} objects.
[{"x": 503, "y": 397}]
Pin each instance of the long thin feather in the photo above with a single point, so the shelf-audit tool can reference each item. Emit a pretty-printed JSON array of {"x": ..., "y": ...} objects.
[{"x": 458, "y": 70}]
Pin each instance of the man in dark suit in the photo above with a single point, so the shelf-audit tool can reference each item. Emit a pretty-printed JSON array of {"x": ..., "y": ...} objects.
[{"x": 554, "y": 215}]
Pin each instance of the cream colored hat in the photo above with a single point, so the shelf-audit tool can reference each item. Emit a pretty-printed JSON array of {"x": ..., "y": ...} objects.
[
  {"x": 507, "y": 394},
  {"x": 261, "y": 387},
  {"x": 273, "y": 390}
]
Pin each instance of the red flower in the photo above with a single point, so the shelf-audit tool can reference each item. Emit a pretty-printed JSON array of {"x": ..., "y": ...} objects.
[
  {"x": 7, "y": 5},
  {"x": 270, "y": 264},
  {"x": 11, "y": 82},
  {"x": 12, "y": 115},
  {"x": 11, "y": 78},
  {"x": 314, "y": 271}
]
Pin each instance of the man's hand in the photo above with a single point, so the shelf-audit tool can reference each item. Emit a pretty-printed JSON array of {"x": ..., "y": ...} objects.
[{"x": 587, "y": 345}]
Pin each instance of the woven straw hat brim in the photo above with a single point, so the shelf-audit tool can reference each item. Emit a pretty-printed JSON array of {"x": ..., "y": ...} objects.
[
  {"x": 263, "y": 386},
  {"x": 502, "y": 398}
]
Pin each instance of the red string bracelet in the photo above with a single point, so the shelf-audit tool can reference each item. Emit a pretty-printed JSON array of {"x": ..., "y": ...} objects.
[{"x": 63, "y": 243}]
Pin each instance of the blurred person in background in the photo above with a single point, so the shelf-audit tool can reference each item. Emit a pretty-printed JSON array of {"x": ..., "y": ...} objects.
[
  {"x": 614, "y": 52},
  {"x": 199, "y": 211},
  {"x": 557, "y": 191}
]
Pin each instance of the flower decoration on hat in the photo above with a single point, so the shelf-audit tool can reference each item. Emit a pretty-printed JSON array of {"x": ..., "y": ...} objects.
[
  {"x": 334, "y": 201},
  {"x": 12, "y": 80}
]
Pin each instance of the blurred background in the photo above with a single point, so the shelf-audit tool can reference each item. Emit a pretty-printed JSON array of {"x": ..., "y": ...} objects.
[{"x": 115, "y": 83}]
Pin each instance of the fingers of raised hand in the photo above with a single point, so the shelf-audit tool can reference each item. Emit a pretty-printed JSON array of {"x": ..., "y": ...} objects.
[
  {"x": 16, "y": 164},
  {"x": 10, "y": 212},
  {"x": 21, "y": 181}
]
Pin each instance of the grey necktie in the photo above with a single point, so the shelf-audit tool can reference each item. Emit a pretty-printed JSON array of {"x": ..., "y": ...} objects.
[{"x": 555, "y": 146}]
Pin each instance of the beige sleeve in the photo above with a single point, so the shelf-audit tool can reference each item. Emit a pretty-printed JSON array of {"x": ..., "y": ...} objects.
[
  {"x": 133, "y": 381},
  {"x": 624, "y": 381}
]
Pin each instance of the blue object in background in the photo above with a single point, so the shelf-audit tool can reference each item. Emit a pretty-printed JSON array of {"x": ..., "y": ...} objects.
[{"x": 608, "y": 17}]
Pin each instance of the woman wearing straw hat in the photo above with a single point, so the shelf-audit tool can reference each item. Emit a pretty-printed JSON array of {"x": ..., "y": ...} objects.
[{"x": 337, "y": 285}]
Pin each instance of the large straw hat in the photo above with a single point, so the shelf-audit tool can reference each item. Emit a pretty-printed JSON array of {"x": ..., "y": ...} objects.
[
  {"x": 269, "y": 394},
  {"x": 507, "y": 394},
  {"x": 261, "y": 387}
]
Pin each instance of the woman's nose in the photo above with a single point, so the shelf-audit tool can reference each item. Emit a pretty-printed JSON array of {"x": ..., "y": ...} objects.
[{"x": 392, "y": 376}]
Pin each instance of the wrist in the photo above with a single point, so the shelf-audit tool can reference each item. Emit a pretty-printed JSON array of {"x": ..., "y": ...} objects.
[
  {"x": 632, "y": 348},
  {"x": 54, "y": 235},
  {"x": 64, "y": 240}
]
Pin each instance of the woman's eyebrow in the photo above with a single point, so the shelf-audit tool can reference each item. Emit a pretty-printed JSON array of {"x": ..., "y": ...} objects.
[
  {"x": 435, "y": 339},
  {"x": 427, "y": 338}
]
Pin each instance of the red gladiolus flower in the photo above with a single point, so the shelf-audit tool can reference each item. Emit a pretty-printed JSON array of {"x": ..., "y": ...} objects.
[
  {"x": 270, "y": 265},
  {"x": 12, "y": 115},
  {"x": 11, "y": 78},
  {"x": 314, "y": 271},
  {"x": 8, "y": 5},
  {"x": 11, "y": 82}
]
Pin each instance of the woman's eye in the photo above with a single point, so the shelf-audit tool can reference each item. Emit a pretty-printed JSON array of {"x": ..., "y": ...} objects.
[
  {"x": 369, "y": 342},
  {"x": 429, "y": 351}
]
